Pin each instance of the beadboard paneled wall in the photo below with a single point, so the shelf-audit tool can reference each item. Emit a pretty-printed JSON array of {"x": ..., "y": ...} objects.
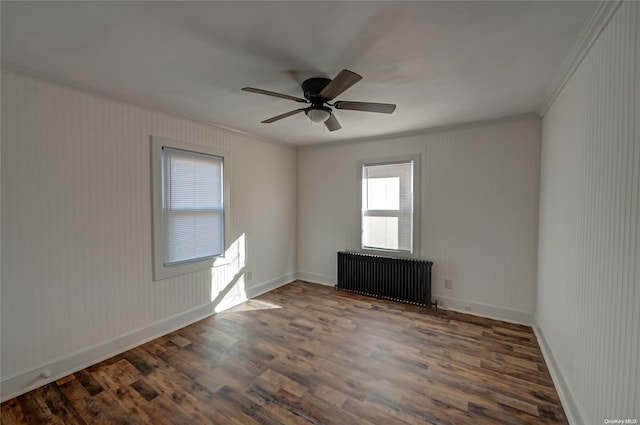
[
  {"x": 76, "y": 224},
  {"x": 589, "y": 244},
  {"x": 478, "y": 212}
]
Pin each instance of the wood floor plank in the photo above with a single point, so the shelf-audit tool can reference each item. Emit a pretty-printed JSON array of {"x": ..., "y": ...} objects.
[
  {"x": 34, "y": 412},
  {"x": 12, "y": 413},
  {"x": 240, "y": 408},
  {"x": 307, "y": 354},
  {"x": 116, "y": 375},
  {"x": 85, "y": 378},
  {"x": 376, "y": 415},
  {"x": 59, "y": 405},
  {"x": 137, "y": 405}
]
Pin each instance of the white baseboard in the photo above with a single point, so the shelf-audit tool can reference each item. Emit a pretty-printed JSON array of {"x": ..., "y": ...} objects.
[
  {"x": 270, "y": 285},
  {"x": 568, "y": 402},
  {"x": 32, "y": 378},
  {"x": 485, "y": 310},
  {"x": 322, "y": 279}
]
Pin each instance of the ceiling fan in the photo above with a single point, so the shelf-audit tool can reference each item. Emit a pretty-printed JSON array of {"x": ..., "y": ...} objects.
[{"x": 318, "y": 92}]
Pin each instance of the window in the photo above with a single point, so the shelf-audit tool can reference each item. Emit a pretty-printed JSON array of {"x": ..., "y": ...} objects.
[
  {"x": 188, "y": 211},
  {"x": 388, "y": 197}
]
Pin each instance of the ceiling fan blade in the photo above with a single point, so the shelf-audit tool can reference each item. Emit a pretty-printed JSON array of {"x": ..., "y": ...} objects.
[
  {"x": 343, "y": 81},
  {"x": 281, "y": 116},
  {"x": 274, "y": 94},
  {"x": 332, "y": 123},
  {"x": 384, "y": 108}
]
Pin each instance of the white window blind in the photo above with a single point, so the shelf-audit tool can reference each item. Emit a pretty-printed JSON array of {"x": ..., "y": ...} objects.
[
  {"x": 192, "y": 206},
  {"x": 387, "y": 206}
]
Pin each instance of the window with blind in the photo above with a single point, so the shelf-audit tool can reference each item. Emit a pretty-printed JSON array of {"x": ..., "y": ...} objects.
[
  {"x": 188, "y": 208},
  {"x": 388, "y": 221},
  {"x": 192, "y": 207}
]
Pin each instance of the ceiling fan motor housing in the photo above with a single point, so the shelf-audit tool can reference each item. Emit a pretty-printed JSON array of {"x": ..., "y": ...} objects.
[{"x": 312, "y": 88}]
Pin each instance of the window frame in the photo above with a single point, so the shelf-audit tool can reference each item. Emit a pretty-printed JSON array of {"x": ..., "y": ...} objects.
[
  {"x": 160, "y": 271},
  {"x": 415, "y": 251}
]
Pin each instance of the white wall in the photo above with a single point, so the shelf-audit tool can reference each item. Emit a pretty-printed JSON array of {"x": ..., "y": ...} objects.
[
  {"x": 76, "y": 228},
  {"x": 589, "y": 244},
  {"x": 478, "y": 214}
]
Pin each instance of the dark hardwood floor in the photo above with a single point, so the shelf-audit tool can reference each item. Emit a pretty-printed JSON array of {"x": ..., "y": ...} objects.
[{"x": 305, "y": 354}]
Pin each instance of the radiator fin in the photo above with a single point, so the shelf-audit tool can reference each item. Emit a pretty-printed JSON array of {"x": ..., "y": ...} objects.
[{"x": 398, "y": 279}]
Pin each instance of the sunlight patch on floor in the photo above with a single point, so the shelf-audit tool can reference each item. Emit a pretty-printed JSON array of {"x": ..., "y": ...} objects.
[{"x": 254, "y": 305}]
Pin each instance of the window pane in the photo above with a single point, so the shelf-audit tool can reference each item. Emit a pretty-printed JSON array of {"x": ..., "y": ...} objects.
[
  {"x": 192, "y": 181},
  {"x": 383, "y": 193},
  {"x": 381, "y": 232},
  {"x": 387, "y": 206},
  {"x": 193, "y": 214},
  {"x": 192, "y": 236}
]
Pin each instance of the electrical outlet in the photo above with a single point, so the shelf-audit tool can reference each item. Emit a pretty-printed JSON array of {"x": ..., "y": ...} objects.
[{"x": 448, "y": 284}]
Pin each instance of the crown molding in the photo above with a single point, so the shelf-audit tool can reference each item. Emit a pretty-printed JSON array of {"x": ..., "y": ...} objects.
[{"x": 603, "y": 12}]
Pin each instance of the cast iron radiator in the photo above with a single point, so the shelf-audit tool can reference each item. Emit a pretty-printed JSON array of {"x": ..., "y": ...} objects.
[{"x": 398, "y": 279}]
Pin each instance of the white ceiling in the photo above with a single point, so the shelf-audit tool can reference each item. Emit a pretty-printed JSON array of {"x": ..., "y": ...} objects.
[{"x": 442, "y": 63}]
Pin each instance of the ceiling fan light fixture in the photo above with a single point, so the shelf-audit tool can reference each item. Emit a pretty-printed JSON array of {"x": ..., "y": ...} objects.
[{"x": 320, "y": 114}]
